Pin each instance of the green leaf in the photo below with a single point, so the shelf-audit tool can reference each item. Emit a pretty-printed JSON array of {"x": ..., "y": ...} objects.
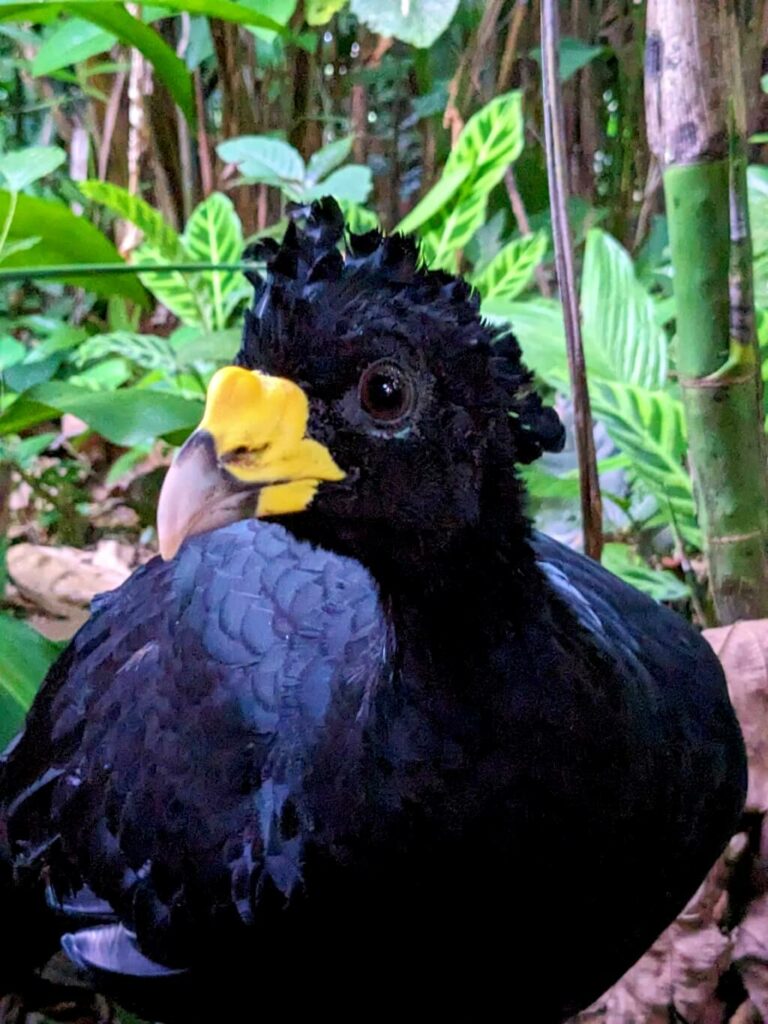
[
  {"x": 510, "y": 271},
  {"x": 353, "y": 183},
  {"x": 44, "y": 10},
  {"x": 66, "y": 239},
  {"x": 648, "y": 426},
  {"x": 179, "y": 291},
  {"x": 264, "y": 158},
  {"x": 619, "y": 315},
  {"x": 437, "y": 197},
  {"x": 11, "y": 351},
  {"x": 25, "y": 166},
  {"x": 25, "y": 657},
  {"x": 320, "y": 12},
  {"x": 328, "y": 158},
  {"x": 418, "y": 22},
  {"x": 19, "y": 245},
  {"x": 214, "y": 234},
  {"x": 126, "y": 417},
  {"x": 574, "y": 55},
  {"x": 168, "y": 67},
  {"x": 626, "y": 563},
  {"x": 159, "y": 234},
  {"x": 72, "y": 41},
  {"x": 491, "y": 140},
  {"x": 357, "y": 218}
]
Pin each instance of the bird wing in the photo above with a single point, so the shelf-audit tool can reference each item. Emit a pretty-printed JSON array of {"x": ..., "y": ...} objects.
[{"x": 163, "y": 761}]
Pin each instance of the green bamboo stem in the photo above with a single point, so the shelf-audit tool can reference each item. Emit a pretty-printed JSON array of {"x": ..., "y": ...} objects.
[
  {"x": 718, "y": 377},
  {"x": 65, "y": 270},
  {"x": 691, "y": 99}
]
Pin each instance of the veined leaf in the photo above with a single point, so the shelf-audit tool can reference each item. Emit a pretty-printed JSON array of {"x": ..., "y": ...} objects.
[
  {"x": 22, "y": 167},
  {"x": 179, "y": 292},
  {"x": 157, "y": 232},
  {"x": 264, "y": 158},
  {"x": 626, "y": 563},
  {"x": 127, "y": 416},
  {"x": 73, "y": 40},
  {"x": 538, "y": 326},
  {"x": 65, "y": 239},
  {"x": 649, "y": 427},
  {"x": 169, "y": 68},
  {"x": 491, "y": 140},
  {"x": 25, "y": 657},
  {"x": 214, "y": 234},
  {"x": 328, "y": 158},
  {"x": 353, "y": 183},
  {"x": 574, "y": 55},
  {"x": 619, "y": 315},
  {"x": 419, "y": 22},
  {"x": 510, "y": 271}
]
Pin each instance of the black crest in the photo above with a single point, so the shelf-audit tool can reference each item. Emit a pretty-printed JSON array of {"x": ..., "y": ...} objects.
[{"x": 319, "y": 262}]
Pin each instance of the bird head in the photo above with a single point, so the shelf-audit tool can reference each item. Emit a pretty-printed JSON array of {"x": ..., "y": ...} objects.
[{"x": 368, "y": 398}]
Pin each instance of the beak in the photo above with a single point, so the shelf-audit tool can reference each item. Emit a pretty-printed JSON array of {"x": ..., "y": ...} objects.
[{"x": 250, "y": 455}]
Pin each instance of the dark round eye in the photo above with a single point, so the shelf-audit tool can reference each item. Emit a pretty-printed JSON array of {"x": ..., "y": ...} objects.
[{"x": 385, "y": 392}]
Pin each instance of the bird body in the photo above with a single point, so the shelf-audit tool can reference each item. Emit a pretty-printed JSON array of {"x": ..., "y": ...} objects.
[{"x": 401, "y": 739}]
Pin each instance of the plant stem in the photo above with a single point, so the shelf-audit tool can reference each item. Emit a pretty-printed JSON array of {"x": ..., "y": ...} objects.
[
  {"x": 692, "y": 130},
  {"x": 591, "y": 503},
  {"x": 109, "y": 269}
]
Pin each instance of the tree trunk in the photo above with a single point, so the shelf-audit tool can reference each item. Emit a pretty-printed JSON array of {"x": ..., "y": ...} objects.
[{"x": 694, "y": 106}]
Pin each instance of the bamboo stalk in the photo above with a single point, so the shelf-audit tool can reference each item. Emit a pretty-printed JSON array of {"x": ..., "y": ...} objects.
[
  {"x": 695, "y": 120},
  {"x": 591, "y": 502}
]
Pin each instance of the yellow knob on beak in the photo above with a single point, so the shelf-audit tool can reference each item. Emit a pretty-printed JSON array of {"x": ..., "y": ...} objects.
[{"x": 250, "y": 455}]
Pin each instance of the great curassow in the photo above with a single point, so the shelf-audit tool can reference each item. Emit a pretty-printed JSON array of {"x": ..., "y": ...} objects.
[{"x": 362, "y": 738}]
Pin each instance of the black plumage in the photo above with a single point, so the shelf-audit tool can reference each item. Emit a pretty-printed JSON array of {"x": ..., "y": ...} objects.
[{"x": 397, "y": 747}]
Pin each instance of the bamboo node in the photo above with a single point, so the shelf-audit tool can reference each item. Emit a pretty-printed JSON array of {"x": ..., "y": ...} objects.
[{"x": 704, "y": 383}]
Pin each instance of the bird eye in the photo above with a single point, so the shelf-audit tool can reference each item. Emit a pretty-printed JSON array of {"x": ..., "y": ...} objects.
[{"x": 386, "y": 393}]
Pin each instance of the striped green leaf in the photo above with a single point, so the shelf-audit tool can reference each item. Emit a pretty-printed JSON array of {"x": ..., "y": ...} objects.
[
  {"x": 491, "y": 140},
  {"x": 619, "y": 314},
  {"x": 178, "y": 291},
  {"x": 157, "y": 232},
  {"x": 649, "y": 427},
  {"x": 214, "y": 234},
  {"x": 509, "y": 273}
]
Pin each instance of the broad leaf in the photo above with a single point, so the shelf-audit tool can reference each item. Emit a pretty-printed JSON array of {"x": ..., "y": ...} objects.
[
  {"x": 264, "y": 158},
  {"x": 25, "y": 657},
  {"x": 72, "y": 41},
  {"x": 619, "y": 315},
  {"x": 179, "y": 291},
  {"x": 538, "y": 326},
  {"x": 353, "y": 183},
  {"x": 491, "y": 140},
  {"x": 169, "y": 68},
  {"x": 328, "y": 158},
  {"x": 509, "y": 273},
  {"x": 127, "y": 416},
  {"x": 214, "y": 234},
  {"x": 25, "y": 166},
  {"x": 418, "y": 22},
  {"x": 627, "y": 564},
  {"x": 157, "y": 232},
  {"x": 65, "y": 239},
  {"x": 649, "y": 427}
]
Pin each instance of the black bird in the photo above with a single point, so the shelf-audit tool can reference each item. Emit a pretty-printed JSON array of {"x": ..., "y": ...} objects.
[{"x": 397, "y": 749}]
